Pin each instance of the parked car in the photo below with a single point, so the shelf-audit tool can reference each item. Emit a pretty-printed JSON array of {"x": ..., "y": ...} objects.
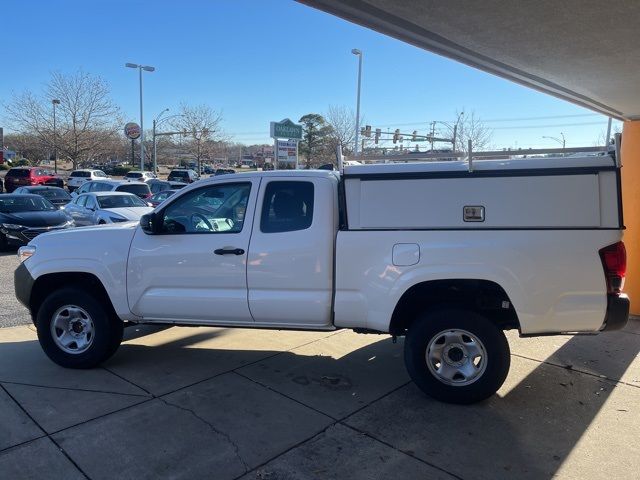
[
  {"x": 98, "y": 208},
  {"x": 78, "y": 177},
  {"x": 25, "y": 216},
  {"x": 183, "y": 175},
  {"x": 56, "y": 195},
  {"x": 224, "y": 171},
  {"x": 140, "y": 189},
  {"x": 139, "y": 176},
  {"x": 160, "y": 197},
  {"x": 157, "y": 186},
  {"x": 447, "y": 254},
  {"x": 23, "y": 176}
]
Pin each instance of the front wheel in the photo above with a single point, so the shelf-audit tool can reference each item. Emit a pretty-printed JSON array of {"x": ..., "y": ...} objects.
[
  {"x": 76, "y": 330},
  {"x": 456, "y": 356}
]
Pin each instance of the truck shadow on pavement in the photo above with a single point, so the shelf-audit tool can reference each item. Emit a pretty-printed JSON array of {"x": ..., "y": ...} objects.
[{"x": 533, "y": 426}]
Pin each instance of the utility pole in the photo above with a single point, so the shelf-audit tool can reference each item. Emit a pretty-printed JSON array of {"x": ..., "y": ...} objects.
[
  {"x": 433, "y": 133},
  {"x": 55, "y": 102}
]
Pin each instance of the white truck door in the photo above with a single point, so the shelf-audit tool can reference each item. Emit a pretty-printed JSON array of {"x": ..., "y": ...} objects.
[
  {"x": 195, "y": 268},
  {"x": 290, "y": 263}
]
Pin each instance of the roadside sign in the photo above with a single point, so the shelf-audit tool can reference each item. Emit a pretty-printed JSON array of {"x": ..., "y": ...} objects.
[
  {"x": 286, "y": 129},
  {"x": 287, "y": 153},
  {"x": 132, "y": 130}
]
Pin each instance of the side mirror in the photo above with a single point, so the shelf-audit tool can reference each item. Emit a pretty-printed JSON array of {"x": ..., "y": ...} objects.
[{"x": 149, "y": 223}]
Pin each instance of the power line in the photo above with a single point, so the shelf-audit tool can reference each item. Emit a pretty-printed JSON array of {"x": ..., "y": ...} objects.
[
  {"x": 497, "y": 120},
  {"x": 555, "y": 125}
]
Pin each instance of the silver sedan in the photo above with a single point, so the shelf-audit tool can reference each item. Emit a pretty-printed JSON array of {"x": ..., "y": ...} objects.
[{"x": 106, "y": 207}]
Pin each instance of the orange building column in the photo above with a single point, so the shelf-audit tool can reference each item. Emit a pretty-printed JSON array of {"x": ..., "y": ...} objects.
[{"x": 630, "y": 155}]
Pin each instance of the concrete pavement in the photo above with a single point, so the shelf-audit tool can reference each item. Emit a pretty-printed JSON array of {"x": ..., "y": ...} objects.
[{"x": 231, "y": 403}]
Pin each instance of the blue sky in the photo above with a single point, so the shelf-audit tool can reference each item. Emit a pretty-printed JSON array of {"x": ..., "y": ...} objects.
[{"x": 258, "y": 61}]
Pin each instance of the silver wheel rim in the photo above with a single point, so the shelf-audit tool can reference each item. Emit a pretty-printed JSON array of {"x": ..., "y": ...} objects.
[
  {"x": 456, "y": 357},
  {"x": 72, "y": 329}
]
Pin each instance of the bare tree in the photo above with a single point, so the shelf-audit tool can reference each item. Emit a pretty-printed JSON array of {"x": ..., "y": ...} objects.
[
  {"x": 28, "y": 146},
  {"x": 469, "y": 127},
  {"x": 342, "y": 121},
  {"x": 601, "y": 140},
  {"x": 201, "y": 125},
  {"x": 86, "y": 115}
]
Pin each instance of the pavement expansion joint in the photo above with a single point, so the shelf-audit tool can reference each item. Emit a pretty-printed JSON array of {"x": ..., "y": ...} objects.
[
  {"x": 577, "y": 370},
  {"x": 54, "y": 387}
]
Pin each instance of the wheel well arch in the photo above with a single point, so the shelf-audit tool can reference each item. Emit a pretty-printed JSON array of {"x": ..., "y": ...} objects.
[
  {"x": 47, "y": 283},
  {"x": 481, "y": 296}
]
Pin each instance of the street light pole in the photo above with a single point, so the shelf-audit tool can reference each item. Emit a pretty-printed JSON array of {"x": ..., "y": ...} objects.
[
  {"x": 155, "y": 160},
  {"x": 55, "y": 102},
  {"x": 562, "y": 142},
  {"x": 140, "y": 68},
  {"x": 358, "y": 53}
]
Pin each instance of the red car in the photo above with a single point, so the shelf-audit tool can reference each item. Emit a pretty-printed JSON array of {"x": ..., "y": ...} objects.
[{"x": 26, "y": 176}]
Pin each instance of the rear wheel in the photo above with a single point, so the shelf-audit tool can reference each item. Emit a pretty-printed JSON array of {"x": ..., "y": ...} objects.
[
  {"x": 76, "y": 329},
  {"x": 456, "y": 356}
]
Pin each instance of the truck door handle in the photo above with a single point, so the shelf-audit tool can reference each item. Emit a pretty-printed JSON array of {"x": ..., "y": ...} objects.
[{"x": 229, "y": 251}]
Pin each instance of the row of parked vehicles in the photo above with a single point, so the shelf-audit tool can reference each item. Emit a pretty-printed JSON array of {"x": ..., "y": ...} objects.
[{"x": 37, "y": 201}]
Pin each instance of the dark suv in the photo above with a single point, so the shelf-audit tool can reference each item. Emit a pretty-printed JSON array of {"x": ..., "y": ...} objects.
[
  {"x": 26, "y": 176},
  {"x": 183, "y": 175}
]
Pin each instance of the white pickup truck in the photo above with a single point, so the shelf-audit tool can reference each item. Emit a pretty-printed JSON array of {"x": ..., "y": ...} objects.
[{"x": 444, "y": 254}]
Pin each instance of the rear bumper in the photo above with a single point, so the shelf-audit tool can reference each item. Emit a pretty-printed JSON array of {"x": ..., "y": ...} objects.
[{"x": 617, "y": 314}]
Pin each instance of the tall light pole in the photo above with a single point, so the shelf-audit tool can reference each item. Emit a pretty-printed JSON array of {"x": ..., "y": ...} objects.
[
  {"x": 155, "y": 160},
  {"x": 140, "y": 68},
  {"x": 562, "y": 142},
  {"x": 358, "y": 53},
  {"x": 55, "y": 102}
]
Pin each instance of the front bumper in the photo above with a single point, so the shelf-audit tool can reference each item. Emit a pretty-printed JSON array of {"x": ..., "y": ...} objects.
[
  {"x": 21, "y": 237},
  {"x": 617, "y": 314},
  {"x": 23, "y": 284}
]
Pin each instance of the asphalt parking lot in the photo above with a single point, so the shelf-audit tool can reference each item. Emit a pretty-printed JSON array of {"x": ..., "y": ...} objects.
[
  {"x": 11, "y": 312},
  {"x": 232, "y": 403}
]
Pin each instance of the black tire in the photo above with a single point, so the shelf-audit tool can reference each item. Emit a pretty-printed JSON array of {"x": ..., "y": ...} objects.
[
  {"x": 485, "y": 379},
  {"x": 107, "y": 330}
]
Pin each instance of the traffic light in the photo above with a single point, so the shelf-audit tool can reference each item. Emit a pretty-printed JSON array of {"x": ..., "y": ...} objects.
[
  {"x": 396, "y": 135},
  {"x": 366, "y": 131},
  {"x": 377, "y": 137},
  {"x": 414, "y": 135}
]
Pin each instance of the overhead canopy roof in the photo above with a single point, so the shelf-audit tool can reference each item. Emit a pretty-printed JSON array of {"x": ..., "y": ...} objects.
[{"x": 584, "y": 51}]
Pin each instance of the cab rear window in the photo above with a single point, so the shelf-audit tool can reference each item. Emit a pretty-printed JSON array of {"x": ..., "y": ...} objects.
[
  {"x": 18, "y": 172},
  {"x": 81, "y": 174},
  {"x": 137, "y": 189}
]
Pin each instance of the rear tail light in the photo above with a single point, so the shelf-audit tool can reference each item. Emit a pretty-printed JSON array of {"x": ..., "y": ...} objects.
[{"x": 614, "y": 262}]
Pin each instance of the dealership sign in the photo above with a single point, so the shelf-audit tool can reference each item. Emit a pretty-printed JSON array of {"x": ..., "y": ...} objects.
[
  {"x": 286, "y": 129},
  {"x": 132, "y": 130}
]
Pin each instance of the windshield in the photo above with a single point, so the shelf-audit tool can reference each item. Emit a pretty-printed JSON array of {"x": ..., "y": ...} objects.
[
  {"x": 17, "y": 204},
  {"x": 134, "y": 175},
  {"x": 120, "y": 201}
]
